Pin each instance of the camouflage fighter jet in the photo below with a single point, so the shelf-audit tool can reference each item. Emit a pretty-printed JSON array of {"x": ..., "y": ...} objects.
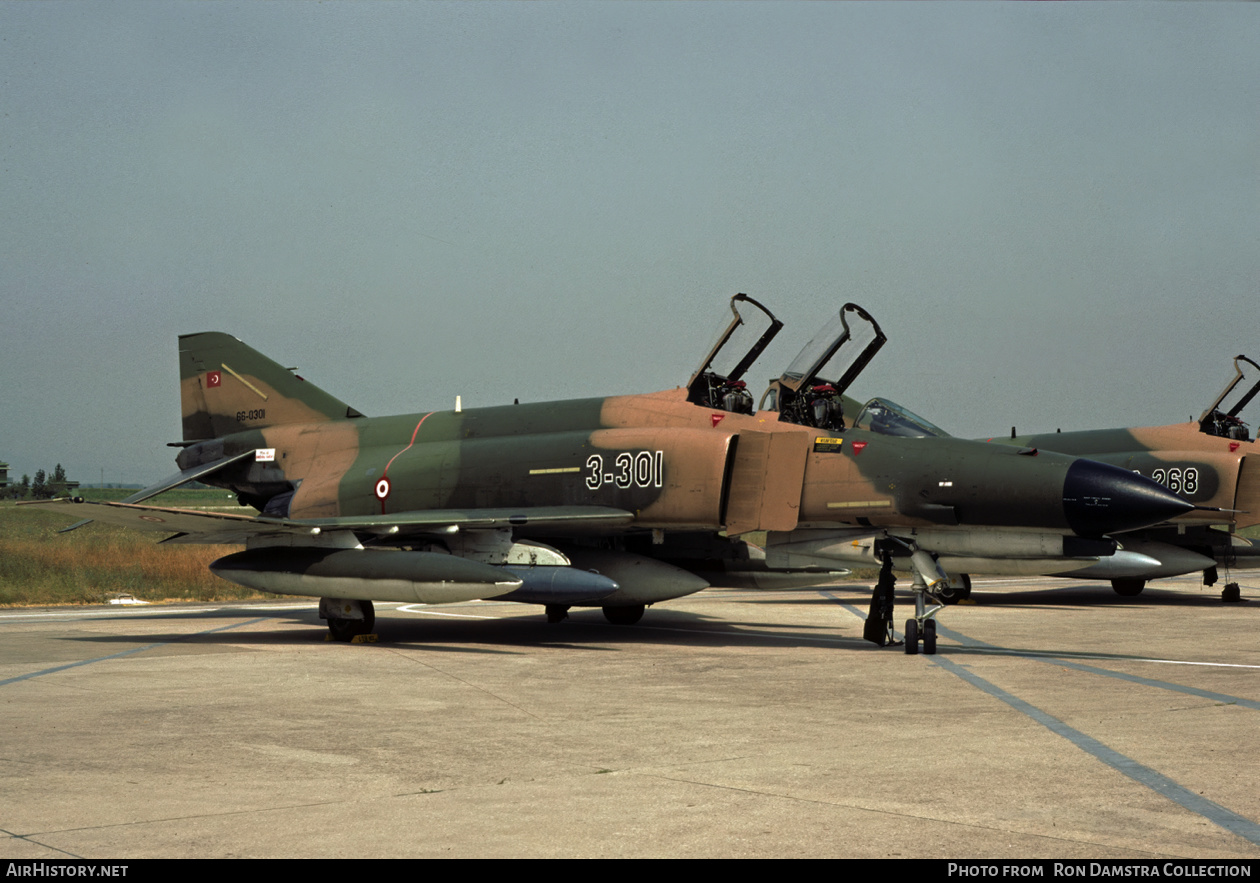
[
  {"x": 1213, "y": 462},
  {"x": 617, "y": 502}
]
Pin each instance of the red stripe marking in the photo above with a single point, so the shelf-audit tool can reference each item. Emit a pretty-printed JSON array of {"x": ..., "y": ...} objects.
[{"x": 414, "y": 433}]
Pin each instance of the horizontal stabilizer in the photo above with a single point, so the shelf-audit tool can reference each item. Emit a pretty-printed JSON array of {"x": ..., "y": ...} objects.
[
  {"x": 170, "y": 483},
  {"x": 195, "y": 473}
]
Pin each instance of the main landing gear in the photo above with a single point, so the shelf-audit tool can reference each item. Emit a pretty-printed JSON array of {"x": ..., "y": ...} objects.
[
  {"x": 1128, "y": 588},
  {"x": 628, "y": 615},
  {"x": 624, "y": 615},
  {"x": 956, "y": 588},
  {"x": 347, "y": 619}
]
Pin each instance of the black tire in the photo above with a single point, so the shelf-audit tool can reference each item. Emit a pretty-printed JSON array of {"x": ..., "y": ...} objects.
[
  {"x": 912, "y": 637},
  {"x": 950, "y": 595},
  {"x": 929, "y": 637},
  {"x": 624, "y": 615},
  {"x": 1128, "y": 587},
  {"x": 348, "y": 629}
]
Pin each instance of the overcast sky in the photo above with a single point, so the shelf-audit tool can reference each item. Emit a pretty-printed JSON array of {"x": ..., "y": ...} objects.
[{"x": 1050, "y": 208}]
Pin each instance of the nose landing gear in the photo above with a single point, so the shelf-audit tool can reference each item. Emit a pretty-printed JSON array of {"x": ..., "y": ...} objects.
[{"x": 923, "y": 626}]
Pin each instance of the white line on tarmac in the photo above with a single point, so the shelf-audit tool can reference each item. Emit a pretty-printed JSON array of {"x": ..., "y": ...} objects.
[
  {"x": 162, "y": 611},
  {"x": 1051, "y": 654},
  {"x": 420, "y": 608}
]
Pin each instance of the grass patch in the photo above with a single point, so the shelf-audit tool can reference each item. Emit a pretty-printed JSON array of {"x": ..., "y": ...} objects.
[
  {"x": 39, "y": 566},
  {"x": 192, "y": 498}
]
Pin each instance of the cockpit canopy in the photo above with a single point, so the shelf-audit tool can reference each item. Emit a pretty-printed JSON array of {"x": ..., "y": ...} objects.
[
  {"x": 811, "y": 391},
  {"x": 718, "y": 382},
  {"x": 1221, "y": 418},
  {"x": 889, "y": 418}
]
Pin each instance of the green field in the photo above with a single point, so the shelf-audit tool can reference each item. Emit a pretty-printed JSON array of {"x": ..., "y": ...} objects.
[{"x": 39, "y": 566}]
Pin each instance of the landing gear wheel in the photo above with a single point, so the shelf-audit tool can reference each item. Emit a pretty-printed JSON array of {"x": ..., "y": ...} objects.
[
  {"x": 1128, "y": 588},
  {"x": 951, "y": 594},
  {"x": 348, "y": 629},
  {"x": 557, "y": 612},
  {"x": 912, "y": 637},
  {"x": 624, "y": 615},
  {"x": 929, "y": 637}
]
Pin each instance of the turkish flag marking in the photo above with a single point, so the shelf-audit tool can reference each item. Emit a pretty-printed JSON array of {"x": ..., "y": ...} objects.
[{"x": 214, "y": 378}]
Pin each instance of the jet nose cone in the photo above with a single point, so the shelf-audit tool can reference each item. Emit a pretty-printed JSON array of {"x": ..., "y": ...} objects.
[{"x": 1100, "y": 499}]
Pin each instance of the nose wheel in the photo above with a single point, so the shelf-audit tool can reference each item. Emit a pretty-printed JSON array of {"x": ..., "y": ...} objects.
[
  {"x": 878, "y": 628},
  {"x": 923, "y": 626},
  {"x": 916, "y": 633}
]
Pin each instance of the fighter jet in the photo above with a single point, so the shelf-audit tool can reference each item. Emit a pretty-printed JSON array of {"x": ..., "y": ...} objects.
[
  {"x": 618, "y": 502},
  {"x": 1213, "y": 462}
]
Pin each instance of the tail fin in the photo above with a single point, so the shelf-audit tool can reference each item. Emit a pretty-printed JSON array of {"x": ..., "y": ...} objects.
[{"x": 226, "y": 387}]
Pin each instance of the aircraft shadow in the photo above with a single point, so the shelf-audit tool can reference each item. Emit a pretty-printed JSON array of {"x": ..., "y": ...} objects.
[
  {"x": 585, "y": 629},
  {"x": 1096, "y": 595}
]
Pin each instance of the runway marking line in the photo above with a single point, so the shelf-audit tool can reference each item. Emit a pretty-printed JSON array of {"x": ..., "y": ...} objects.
[
  {"x": 57, "y": 668},
  {"x": 1159, "y": 783},
  {"x": 140, "y": 611}
]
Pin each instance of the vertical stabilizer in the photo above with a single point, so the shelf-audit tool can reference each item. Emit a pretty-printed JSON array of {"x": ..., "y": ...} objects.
[{"x": 226, "y": 387}]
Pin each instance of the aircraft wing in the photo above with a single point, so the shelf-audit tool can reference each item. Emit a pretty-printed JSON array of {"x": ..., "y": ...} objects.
[{"x": 198, "y": 526}]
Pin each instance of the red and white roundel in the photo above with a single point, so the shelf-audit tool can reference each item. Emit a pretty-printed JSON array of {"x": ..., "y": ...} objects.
[{"x": 382, "y": 489}]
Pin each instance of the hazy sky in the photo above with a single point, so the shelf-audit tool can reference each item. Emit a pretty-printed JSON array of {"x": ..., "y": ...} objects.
[{"x": 1050, "y": 208}]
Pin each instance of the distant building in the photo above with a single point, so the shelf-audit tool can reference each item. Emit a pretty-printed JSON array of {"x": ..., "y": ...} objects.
[{"x": 57, "y": 488}]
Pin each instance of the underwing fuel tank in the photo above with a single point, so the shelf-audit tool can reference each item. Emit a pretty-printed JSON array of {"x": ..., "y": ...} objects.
[
  {"x": 1149, "y": 560},
  {"x": 548, "y": 584},
  {"x": 641, "y": 580},
  {"x": 366, "y": 574},
  {"x": 972, "y": 551}
]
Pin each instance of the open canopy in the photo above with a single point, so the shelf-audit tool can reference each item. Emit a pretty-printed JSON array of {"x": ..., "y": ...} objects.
[
  {"x": 718, "y": 383},
  {"x": 1221, "y": 417}
]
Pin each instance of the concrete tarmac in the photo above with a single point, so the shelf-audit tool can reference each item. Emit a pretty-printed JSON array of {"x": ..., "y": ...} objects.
[{"x": 1057, "y": 720}]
